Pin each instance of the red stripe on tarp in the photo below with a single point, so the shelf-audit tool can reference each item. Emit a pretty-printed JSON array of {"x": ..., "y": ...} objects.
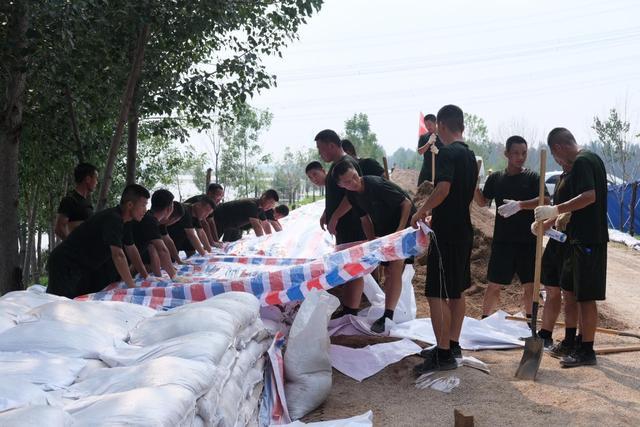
[
  {"x": 157, "y": 292},
  {"x": 275, "y": 281},
  {"x": 353, "y": 268},
  {"x": 273, "y": 298},
  {"x": 314, "y": 284},
  {"x": 237, "y": 286},
  {"x": 197, "y": 292}
]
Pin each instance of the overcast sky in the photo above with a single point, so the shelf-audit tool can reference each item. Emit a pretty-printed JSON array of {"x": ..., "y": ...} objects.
[{"x": 524, "y": 66}]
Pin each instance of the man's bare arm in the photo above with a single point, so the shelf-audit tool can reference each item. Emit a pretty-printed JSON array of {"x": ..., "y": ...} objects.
[
  {"x": 203, "y": 239},
  {"x": 136, "y": 260},
  {"x": 195, "y": 241},
  {"x": 62, "y": 226},
  {"x": 257, "y": 226},
  {"x": 367, "y": 227},
  {"x": 173, "y": 251},
  {"x": 120, "y": 262},
  {"x": 164, "y": 256}
]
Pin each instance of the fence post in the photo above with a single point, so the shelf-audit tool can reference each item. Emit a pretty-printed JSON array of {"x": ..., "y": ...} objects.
[{"x": 632, "y": 208}]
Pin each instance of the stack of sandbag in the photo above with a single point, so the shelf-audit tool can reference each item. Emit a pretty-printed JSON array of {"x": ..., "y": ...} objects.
[{"x": 112, "y": 363}]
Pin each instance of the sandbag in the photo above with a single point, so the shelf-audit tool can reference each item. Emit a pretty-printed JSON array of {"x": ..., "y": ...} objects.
[
  {"x": 109, "y": 317},
  {"x": 195, "y": 376},
  {"x": 169, "y": 406},
  {"x": 306, "y": 360},
  {"x": 175, "y": 323},
  {"x": 32, "y": 297},
  {"x": 56, "y": 337},
  {"x": 50, "y": 371},
  {"x": 16, "y": 393},
  {"x": 242, "y": 305},
  {"x": 9, "y": 312},
  {"x": 36, "y": 416},
  {"x": 91, "y": 366},
  {"x": 200, "y": 346}
]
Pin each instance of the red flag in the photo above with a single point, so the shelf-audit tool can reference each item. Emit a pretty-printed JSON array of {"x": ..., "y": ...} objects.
[{"x": 422, "y": 128}]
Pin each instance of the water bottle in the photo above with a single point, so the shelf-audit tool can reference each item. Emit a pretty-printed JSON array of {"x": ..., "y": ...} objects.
[{"x": 556, "y": 235}]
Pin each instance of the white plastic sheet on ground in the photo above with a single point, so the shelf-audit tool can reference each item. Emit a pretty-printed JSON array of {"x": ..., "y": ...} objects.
[
  {"x": 494, "y": 332},
  {"x": 624, "y": 238},
  {"x": 364, "y": 420},
  {"x": 361, "y": 363}
]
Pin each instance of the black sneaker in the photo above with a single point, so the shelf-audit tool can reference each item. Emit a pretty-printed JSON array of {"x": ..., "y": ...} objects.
[
  {"x": 434, "y": 363},
  {"x": 456, "y": 352},
  {"x": 579, "y": 358},
  {"x": 548, "y": 343},
  {"x": 561, "y": 349},
  {"x": 378, "y": 325}
]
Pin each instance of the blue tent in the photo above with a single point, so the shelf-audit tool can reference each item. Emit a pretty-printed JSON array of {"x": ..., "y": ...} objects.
[{"x": 621, "y": 220}]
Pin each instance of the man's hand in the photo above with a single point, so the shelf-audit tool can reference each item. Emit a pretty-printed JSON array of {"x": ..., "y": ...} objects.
[
  {"x": 333, "y": 223},
  {"x": 546, "y": 212},
  {"x": 510, "y": 207},
  {"x": 217, "y": 244},
  {"x": 417, "y": 217},
  {"x": 323, "y": 220},
  {"x": 534, "y": 227},
  {"x": 131, "y": 284},
  {"x": 562, "y": 221}
]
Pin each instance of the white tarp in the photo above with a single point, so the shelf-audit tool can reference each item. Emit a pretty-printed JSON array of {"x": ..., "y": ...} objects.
[{"x": 364, "y": 420}]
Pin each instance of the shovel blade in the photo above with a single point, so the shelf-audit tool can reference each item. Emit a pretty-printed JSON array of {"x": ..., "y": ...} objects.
[{"x": 531, "y": 358}]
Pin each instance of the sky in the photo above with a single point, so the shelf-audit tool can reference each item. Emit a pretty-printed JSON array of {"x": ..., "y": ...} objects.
[{"x": 523, "y": 66}]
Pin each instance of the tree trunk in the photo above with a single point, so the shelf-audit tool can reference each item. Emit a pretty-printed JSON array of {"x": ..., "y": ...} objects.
[
  {"x": 38, "y": 267},
  {"x": 10, "y": 129},
  {"x": 74, "y": 123},
  {"x": 127, "y": 97},
  {"x": 132, "y": 142},
  {"x": 30, "y": 238},
  {"x": 632, "y": 208}
]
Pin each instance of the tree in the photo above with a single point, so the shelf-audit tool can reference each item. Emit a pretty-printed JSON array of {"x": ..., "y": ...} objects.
[
  {"x": 405, "y": 158},
  {"x": 358, "y": 130},
  {"x": 616, "y": 143}
]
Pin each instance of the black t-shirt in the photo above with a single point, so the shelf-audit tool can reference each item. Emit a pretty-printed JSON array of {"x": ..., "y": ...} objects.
[
  {"x": 75, "y": 207},
  {"x": 236, "y": 214},
  {"x": 89, "y": 246},
  {"x": 381, "y": 200},
  {"x": 177, "y": 231},
  {"x": 195, "y": 199},
  {"x": 370, "y": 167},
  {"x": 145, "y": 231},
  {"x": 425, "y": 171},
  {"x": 523, "y": 186},
  {"x": 451, "y": 220},
  {"x": 589, "y": 224},
  {"x": 270, "y": 215},
  {"x": 334, "y": 195}
]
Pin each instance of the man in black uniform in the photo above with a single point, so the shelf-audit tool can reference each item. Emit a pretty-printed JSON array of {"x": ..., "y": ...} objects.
[
  {"x": 383, "y": 208},
  {"x": 368, "y": 166},
  {"x": 147, "y": 236},
  {"x": 76, "y": 265},
  {"x": 76, "y": 206},
  {"x": 232, "y": 217},
  {"x": 187, "y": 234},
  {"x": 176, "y": 215},
  {"x": 586, "y": 257},
  {"x": 456, "y": 177},
  {"x": 424, "y": 148},
  {"x": 340, "y": 219},
  {"x": 552, "y": 277},
  {"x": 513, "y": 250},
  {"x": 273, "y": 217},
  {"x": 215, "y": 192}
]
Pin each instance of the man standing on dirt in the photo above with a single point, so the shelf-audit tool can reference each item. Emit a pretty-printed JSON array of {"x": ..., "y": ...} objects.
[
  {"x": 76, "y": 206},
  {"x": 513, "y": 250},
  {"x": 456, "y": 176},
  {"x": 340, "y": 219},
  {"x": 424, "y": 148},
  {"x": 586, "y": 257}
]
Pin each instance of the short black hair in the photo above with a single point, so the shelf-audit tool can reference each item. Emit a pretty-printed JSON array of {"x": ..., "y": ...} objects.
[
  {"x": 348, "y": 148},
  {"x": 282, "y": 210},
  {"x": 313, "y": 165},
  {"x": 82, "y": 171},
  {"x": 178, "y": 210},
  {"x": 430, "y": 118},
  {"x": 161, "y": 199},
  {"x": 452, "y": 117},
  {"x": 328, "y": 136},
  {"x": 271, "y": 194},
  {"x": 213, "y": 187},
  {"x": 133, "y": 193},
  {"x": 203, "y": 199},
  {"x": 515, "y": 139},
  {"x": 560, "y": 136},
  {"x": 341, "y": 168}
]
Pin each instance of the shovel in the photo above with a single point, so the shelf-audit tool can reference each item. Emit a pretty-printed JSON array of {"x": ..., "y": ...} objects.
[
  {"x": 534, "y": 345},
  {"x": 600, "y": 330}
]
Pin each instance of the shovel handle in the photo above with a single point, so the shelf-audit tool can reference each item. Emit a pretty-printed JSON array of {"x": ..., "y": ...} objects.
[
  {"x": 539, "y": 237},
  {"x": 601, "y": 330},
  {"x": 611, "y": 350}
]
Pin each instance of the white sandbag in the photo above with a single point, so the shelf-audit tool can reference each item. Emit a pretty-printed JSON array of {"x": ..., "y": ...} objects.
[
  {"x": 207, "y": 405},
  {"x": 50, "y": 371},
  {"x": 32, "y": 297},
  {"x": 56, "y": 337},
  {"x": 244, "y": 306},
  {"x": 174, "y": 323},
  {"x": 36, "y": 416},
  {"x": 195, "y": 376},
  {"x": 168, "y": 406},
  {"x": 91, "y": 366},
  {"x": 16, "y": 393},
  {"x": 306, "y": 360},
  {"x": 109, "y": 317},
  {"x": 9, "y": 312},
  {"x": 200, "y": 346}
]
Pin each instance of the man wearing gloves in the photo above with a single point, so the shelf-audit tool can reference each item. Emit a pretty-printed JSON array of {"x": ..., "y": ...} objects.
[
  {"x": 586, "y": 257},
  {"x": 513, "y": 249}
]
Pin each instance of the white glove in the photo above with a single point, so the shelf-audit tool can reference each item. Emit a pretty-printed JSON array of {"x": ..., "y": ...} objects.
[
  {"x": 510, "y": 207},
  {"x": 434, "y": 149},
  {"x": 562, "y": 221},
  {"x": 546, "y": 212}
]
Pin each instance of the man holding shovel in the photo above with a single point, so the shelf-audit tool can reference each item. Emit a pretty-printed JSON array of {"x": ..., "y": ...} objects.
[{"x": 586, "y": 257}]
